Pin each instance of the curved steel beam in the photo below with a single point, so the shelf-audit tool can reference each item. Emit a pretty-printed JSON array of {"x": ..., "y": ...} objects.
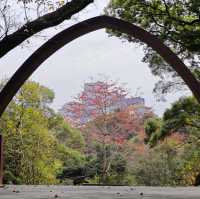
[{"x": 82, "y": 28}]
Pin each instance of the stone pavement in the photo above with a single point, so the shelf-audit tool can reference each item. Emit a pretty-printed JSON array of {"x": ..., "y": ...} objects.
[{"x": 93, "y": 192}]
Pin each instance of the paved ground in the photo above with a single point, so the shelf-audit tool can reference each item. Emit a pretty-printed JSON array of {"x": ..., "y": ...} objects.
[{"x": 84, "y": 192}]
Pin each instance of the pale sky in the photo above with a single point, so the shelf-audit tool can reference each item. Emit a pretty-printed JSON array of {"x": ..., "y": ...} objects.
[{"x": 66, "y": 71}]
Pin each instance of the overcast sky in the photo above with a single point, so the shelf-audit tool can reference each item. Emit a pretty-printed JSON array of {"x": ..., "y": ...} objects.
[{"x": 66, "y": 71}]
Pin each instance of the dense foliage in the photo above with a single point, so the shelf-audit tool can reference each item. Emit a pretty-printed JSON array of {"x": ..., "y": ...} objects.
[
  {"x": 36, "y": 138},
  {"x": 117, "y": 148},
  {"x": 175, "y": 22},
  {"x": 104, "y": 142},
  {"x": 180, "y": 127},
  {"x": 183, "y": 117}
]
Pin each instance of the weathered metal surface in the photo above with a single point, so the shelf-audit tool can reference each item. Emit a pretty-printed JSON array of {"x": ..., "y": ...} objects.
[{"x": 1, "y": 160}]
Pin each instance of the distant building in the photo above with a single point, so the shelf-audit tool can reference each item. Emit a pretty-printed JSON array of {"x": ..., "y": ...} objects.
[{"x": 137, "y": 103}]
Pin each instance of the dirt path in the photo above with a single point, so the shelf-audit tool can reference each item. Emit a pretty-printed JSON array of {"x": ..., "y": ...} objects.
[{"x": 84, "y": 192}]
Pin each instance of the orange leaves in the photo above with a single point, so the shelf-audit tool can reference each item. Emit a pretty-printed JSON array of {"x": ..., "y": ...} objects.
[{"x": 97, "y": 99}]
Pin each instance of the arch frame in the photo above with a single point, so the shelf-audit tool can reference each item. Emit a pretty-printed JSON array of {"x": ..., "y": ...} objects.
[{"x": 80, "y": 29}]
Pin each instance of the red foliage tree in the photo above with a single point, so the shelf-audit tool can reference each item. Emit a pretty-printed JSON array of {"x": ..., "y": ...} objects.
[
  {"x": 101, "y": 112},
  {"x": 97, "y": 99}
]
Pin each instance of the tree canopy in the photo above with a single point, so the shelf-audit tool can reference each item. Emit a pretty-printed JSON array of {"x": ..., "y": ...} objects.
[
  {"x": 116, "y": 147},
  {"x": 176, "y": 23},
  {"x": 181, "y": 118},
  {"x": 38, "y": 144}
]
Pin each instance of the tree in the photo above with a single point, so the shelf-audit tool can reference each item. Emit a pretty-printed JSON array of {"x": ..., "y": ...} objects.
[
  {"x": 65, "y": 134},
  {"x": 161, "y": 166},
  {"x": 190, "y": 170},
  {"x": 73, "y": 166},
  {"x": 182, "y": 117},
  {"x": 119, "y": 170},
  {"x": 97, "y": 99},
  {"x": 32, "y": 131},
  {"x": 29, "y": 148},
  {"x": 108, "y": 122},
  {"x": 32, "y": 17},
  {"x": 114, "y": 162},
  {"x": 176, "y": 23},
  {"x": 121, "y": 126},
  {"x": 152, "y": 130},
  {"x": 93, "y": 107}
]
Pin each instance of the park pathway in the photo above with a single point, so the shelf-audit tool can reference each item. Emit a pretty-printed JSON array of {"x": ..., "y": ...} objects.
[{"x": 92, "y": 192}]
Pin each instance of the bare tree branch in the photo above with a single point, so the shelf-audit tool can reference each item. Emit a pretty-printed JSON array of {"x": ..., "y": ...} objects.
[{"x": 46, "y": 21}]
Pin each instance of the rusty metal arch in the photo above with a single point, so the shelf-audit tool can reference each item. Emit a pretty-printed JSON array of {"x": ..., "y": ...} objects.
[{"x": 82, "y": 28}]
